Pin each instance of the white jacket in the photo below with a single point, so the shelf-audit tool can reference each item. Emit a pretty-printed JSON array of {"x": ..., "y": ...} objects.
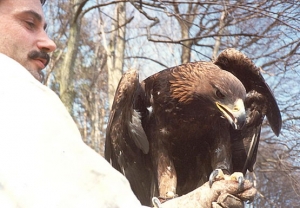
[{"x": 43, "y": 160}]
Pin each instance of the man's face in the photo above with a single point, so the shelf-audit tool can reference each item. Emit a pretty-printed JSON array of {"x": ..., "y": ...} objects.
[{"x": 23, "y": 36}]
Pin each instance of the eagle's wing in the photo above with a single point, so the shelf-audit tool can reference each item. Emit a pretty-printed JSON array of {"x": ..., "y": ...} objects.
[
  {"x": 126, "y": 144},
  {"x": 260, "y": 102}
]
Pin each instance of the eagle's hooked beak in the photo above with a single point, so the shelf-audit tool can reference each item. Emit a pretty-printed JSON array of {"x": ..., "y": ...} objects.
[{"x": 235, "y": 115}]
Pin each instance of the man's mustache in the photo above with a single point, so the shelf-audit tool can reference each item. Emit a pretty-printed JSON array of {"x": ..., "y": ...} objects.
[{"x": 39, "y": 54}]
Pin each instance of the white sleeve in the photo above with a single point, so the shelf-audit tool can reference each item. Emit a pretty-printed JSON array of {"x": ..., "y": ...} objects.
[{"x": 44, "y": 162}]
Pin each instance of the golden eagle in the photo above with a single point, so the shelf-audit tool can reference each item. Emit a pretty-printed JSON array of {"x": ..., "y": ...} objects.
[{"x": 170, "y": 132}]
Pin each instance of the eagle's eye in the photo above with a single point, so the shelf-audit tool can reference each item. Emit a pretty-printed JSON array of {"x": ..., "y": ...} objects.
[{"x": 219, "y": 94}]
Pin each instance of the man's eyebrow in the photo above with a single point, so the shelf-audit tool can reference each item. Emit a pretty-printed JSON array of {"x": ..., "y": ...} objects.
[{"x": 36, "y": 16}]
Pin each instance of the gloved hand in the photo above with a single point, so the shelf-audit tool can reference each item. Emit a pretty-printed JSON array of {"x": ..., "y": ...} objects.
[{"x": 222, "y": 194}]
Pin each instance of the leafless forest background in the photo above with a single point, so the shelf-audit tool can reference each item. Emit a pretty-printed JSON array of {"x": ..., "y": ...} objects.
[{"x": 97, "y": 40}]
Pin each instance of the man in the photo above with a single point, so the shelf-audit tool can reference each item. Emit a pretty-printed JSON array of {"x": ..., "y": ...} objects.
[
  {"x": 43, "y": 161},
  {"x": 23, "y": 37}
]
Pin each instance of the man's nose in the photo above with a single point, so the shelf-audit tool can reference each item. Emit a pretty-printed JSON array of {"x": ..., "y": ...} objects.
[{"x": 45, "y": 43}]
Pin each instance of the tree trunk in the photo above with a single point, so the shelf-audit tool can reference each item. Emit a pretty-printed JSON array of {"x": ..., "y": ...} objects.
[
  {"x": 185, "y": 26},
  {"x": 66, "y": 81},
  {"x": 186, "y": 46},
  {"x": 220, "y": 32},
  {"x": 67, "y": 71},
  {"x": 117, "y": 47}
]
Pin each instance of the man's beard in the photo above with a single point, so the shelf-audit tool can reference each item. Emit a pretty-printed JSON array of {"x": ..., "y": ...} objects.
[{"x": 39, "y": 54}]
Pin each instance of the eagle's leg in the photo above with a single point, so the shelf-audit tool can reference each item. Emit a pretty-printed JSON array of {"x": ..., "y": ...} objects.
[
  {"x": 220, "y": 152},
  {"x": 166, "y": 174},
  {"x": 221, "y": 160}
]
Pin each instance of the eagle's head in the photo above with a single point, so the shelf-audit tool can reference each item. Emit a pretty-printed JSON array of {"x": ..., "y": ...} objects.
[{"x": 212, "y": 89}]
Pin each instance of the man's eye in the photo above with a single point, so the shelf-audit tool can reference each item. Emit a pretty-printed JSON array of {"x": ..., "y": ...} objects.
[{"x": 30, "y": 24}]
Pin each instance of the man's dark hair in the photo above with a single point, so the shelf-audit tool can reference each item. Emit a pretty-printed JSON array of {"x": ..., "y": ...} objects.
[{"x": 43, "y": 2}]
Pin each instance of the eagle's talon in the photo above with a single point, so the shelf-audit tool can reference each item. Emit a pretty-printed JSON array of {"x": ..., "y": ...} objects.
[
  {"x": 169, "y": 195},
  {"x": 217, "y": 174},
  {"x": 241, "y": 183},
  {"x": 156, "y": 202},
  {"x": 239, "y": 177}
]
